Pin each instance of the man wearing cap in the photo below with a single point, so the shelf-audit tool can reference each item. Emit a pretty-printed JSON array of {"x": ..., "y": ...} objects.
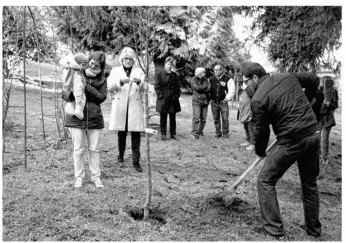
[
  {"x": 279, "y": 100},
  {"x": 222, "y": 91},
  {"x": 126, "y": 86}
]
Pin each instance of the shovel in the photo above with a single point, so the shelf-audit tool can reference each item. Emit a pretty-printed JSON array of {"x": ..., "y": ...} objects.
[{"x": 234, "y": 186}]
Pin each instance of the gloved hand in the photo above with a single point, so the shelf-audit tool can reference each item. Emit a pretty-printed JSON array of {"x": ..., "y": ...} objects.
[
  {"x": 124, "y": 81},
  {"x": 136, "y": 80}
]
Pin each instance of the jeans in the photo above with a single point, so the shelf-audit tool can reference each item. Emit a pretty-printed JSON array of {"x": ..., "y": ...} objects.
[
  {"x": 325, "y": 142},
  {"x": 223, "y": 110},
  {"x": 199, "y": 119},
  {"x": 163, "y": 123},
  {"x": 78, "y": 139},
  {"x": 135, "y": 144},
  {"x": 281, "y": 157},
  {"x": 249, "y": 128}
]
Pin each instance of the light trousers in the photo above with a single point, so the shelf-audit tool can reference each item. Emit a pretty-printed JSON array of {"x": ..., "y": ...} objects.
[{"x": 79, "y": 136}]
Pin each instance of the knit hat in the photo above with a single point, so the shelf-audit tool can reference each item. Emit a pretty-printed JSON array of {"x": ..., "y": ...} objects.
[
  {"x": 80, "y": 58},
  {"x": 128, "y": 52},
  {"x": 329, "y": 83},
  {"x": 199, "y": 70}
]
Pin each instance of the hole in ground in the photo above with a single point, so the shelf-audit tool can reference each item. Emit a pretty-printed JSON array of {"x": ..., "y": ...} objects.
[
  {"x": 228, "y": 204},
  {"x": 155, "y": 215}
]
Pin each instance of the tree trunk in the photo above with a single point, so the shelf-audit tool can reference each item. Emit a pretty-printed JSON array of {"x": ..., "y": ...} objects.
[
  {"x": 146, "y": 119},
  {"x": 56, "y": 97},
  {"x": 24, "y": 60},
  {"x": 41, "y": 98},
  {"x": 147, "y": 152}
]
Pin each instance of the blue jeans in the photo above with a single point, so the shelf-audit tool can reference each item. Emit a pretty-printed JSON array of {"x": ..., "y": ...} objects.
[
  {"x": 249, "y": 128},
  {"x": 325, "y": 142},
  {"x": 281, "y": 157},
  {"x": 222, "y": 110},
  {"x": 199, "y": 119}
]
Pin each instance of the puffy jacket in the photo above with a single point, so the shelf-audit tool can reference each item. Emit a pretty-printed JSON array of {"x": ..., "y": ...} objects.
[
  {"x": 201, "y": 89},
  {"x": 96, "y": 93},
  {"x": 280, "y": 100}
]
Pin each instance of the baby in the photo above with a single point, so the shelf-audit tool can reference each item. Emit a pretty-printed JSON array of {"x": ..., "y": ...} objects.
[{"x": 72, "y": 67}]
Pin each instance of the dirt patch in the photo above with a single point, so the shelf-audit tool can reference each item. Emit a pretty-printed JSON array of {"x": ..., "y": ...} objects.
[
  {"x": 227, "y": 204},
  {"x": 156, "y": 216}
]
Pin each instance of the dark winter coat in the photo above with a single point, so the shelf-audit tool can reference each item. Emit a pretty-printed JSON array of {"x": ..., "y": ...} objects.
[
  {"x": 327, "y": 111},
  {"x": 200, "y": 91},
  {"x": 280, "y": 100},
  {"x": 96, "y": 93},
  {"x": 167, "y": 88}
]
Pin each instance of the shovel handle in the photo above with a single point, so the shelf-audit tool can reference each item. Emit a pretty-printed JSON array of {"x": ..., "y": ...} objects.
[{"x": 251, "y": 167}]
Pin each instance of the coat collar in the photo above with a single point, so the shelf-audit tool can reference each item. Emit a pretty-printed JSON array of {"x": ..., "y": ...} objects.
[{"x": 260, "y": 81}]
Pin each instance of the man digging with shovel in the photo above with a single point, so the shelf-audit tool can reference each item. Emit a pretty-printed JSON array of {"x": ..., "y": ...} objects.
[{"x": 279, "y": 100}]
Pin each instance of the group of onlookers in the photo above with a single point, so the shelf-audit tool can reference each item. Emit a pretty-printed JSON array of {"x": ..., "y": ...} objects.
[{"x": 297, "y": 106}]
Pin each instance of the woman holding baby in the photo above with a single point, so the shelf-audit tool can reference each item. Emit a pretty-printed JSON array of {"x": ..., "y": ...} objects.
[{"x": 88, "y": 126}]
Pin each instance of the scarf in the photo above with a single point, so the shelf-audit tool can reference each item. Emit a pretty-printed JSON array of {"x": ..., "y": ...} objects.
[{"x": 91, "y": 73}]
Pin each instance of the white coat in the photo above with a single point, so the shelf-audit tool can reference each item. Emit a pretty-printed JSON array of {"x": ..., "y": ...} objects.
[{"x": 126, "y": 98}]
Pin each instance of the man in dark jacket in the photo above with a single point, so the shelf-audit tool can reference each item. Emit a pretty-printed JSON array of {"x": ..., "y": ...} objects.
[
  {"x": 222, "y": 91},
  {"x": 279, "y": 100}
]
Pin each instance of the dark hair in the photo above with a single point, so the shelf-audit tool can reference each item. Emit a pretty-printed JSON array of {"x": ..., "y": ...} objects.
[
  {"x": 253, "y": 68},
  {"x": 100, "y": 57},
  {"x": 329, "y": 83},
  {"x": 169, "y": 59}
]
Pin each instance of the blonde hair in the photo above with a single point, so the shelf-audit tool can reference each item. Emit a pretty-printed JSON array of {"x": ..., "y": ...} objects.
[{"x": 199, "y": 70}]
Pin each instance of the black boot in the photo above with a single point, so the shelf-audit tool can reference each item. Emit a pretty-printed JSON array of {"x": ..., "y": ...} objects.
[
  {"x": 137, "y": 166},
  {"x": 120, "y": 158}
]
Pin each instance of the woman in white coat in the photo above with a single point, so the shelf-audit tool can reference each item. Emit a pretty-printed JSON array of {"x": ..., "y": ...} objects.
[{"x": 126, "y": 85}]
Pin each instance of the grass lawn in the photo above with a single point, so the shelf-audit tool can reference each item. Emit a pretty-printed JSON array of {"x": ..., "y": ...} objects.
[{"x": 41, "y": 204}]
